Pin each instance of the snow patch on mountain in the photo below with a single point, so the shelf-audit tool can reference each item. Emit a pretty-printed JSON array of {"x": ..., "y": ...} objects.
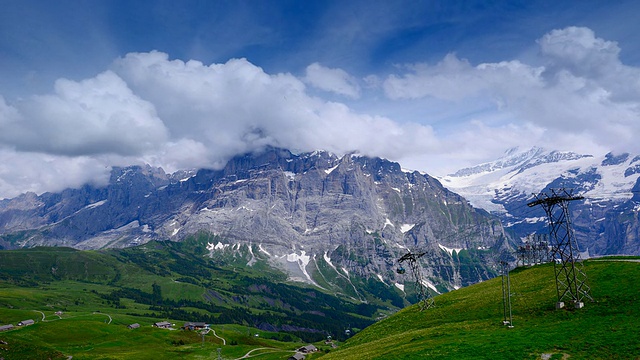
[
  {"x": 330, "y": 170},
  {"x": 406, "y": 227},
  {"x": 450, "y": 250},
  {"x": 300, "y": 261},
  {"x": 95, "y": 204},
  {"x": 430, "y": 286},
  {"x": 263, "y": 250},
  {"x": 521, "y": 174},
  {"x": 253, "y": 257},
  {"x": 218, "y": 246},
  {"x": 328, "y": 260}
]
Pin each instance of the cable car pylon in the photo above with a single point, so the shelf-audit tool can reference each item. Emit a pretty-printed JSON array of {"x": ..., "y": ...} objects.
[{"x": 424, "y": 296}]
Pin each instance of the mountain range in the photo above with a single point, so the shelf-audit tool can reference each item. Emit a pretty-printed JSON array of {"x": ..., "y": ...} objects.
[
  {"x": 341, "y": 222},
  {"x": 605, "y": 222},
  {"x": 336, "y": 222}
]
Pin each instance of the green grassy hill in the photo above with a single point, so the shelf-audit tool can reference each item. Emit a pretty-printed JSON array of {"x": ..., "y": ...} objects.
[
  {"x": 467, "y": 323},
  {"x": 100, "y": 292}
]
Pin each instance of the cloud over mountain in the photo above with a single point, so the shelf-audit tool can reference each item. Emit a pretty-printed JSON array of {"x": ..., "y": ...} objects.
[
  {"x": 178, "y": 114},
  {"x": 149, "y": 108}
]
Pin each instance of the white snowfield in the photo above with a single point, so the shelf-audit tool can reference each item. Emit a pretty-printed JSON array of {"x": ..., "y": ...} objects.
[{"x": 528, "y": 173}]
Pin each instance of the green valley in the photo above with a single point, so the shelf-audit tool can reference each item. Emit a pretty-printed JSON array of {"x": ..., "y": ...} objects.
[{"x": 82, "y": 302}]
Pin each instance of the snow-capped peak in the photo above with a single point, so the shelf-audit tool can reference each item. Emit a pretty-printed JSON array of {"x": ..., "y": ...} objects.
[{"x": 521, "y": 174}]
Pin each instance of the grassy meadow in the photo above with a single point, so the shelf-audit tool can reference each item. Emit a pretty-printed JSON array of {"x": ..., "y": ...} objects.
[
  {"x": 467, "y": 323},
  {"x": 100, "y": 293}
]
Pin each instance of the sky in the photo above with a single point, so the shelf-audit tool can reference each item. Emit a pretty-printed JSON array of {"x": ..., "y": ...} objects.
[{"x": 434, "y": 85}]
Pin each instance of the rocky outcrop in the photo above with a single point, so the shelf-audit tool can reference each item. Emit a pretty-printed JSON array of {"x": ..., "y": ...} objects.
[{"x": 311, "y": 213}]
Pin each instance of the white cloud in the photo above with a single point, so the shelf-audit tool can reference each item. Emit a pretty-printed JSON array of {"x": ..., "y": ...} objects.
[
  {"x": 578, "y": 49},
  {"x": 37, "y": 172},
  {"x": 94, "y": 116},
  {"x": 333, "y": 80},
  {"x": 236, "y": 107},
  {"x": 185, "y": 114},
  {"x": 583, "y": 92},
  {"x": 178, "y": 115}
]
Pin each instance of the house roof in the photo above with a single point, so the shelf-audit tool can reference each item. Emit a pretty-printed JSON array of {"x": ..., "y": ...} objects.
[
  {"x": 6, "y": 327},
  {"x": 308, "y": 348},
  {"x": 296, "y": 356},
  {"x": 196, "y": 324}
]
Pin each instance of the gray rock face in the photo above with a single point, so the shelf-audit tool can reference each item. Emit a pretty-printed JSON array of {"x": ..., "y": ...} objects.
[{"x": 310, "y": 213}]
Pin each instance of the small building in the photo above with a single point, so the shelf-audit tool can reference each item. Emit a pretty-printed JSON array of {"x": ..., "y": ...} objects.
[
  {"x": 133, "y": 326},
  {"x": 6, "y": 327},
  {"x": 308, "y": 349},
  {"x": 162, "y": 324},
  {"x": 195, "y": 326},
  {"x": 58, "y": 313},
  {"x": 297, "y": 356},
  {"x": 26, "y": 322}
]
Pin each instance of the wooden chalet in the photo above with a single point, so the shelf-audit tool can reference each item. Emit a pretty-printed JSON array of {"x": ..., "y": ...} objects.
[
  {"x": 308, "y": 349},
  {"x": 194, "y": 325},
  {"x": 297, "y": 356},
  {"x": 162, "y": 324}
]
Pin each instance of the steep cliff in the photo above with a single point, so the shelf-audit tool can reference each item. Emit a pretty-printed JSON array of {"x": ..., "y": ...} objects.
[{"x": 331, "y": 221}]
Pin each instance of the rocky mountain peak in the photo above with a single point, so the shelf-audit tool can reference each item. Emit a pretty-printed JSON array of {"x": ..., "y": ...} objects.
[{"x": 352, "y": 214}]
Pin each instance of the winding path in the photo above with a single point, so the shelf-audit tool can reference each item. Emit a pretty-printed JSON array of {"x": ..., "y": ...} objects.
[
  {"x": 273, "y": 350},
  {"x": 40, "y": 313},
  {"x": 105, "y": 315},
  {"x": 224, "y": 342}
]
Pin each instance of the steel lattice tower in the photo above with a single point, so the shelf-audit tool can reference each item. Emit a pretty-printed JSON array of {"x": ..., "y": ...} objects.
[
  {"x": 424, "y": 296},
  {"x": 534, "y": 251},
  {"x": 506, "y": 294},
  {"x": 571, "y": 280}
]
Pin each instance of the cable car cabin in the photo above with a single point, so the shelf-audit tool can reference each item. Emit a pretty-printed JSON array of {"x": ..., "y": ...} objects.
[{"x": 400, "y": 270}]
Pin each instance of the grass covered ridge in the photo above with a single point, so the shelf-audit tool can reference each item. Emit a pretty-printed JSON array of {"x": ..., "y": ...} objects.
[
  {"x": 467, "y": 323},
  {"x": 101, "y": 292}
]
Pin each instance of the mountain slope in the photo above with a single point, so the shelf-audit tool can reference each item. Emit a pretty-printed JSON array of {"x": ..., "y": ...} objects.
[
  {"x": 174, "y": 280},
  {"x": 334, "y": 222},
  {"x": 606, "y": 222},
  {"x": 467, "y": 323}
]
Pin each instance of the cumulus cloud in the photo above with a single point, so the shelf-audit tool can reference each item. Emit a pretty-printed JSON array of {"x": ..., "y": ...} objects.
[
  {"x": 236, "y": 107},
  {"x": 583, "y": 91},
  {"x": 148, "y": 108},
  {"x": 38, "y": 172},
  {"x": 94, "y": 116},
  {"x": 177, "y": 114},
  {"x": 580, "y": 51},
  {"x": 333, "y": 80}
]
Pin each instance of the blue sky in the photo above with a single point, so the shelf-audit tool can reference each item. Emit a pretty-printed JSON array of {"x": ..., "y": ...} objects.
[
  {"x": 435, "y": 85},
  {"x": 44, "y": 40}
]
